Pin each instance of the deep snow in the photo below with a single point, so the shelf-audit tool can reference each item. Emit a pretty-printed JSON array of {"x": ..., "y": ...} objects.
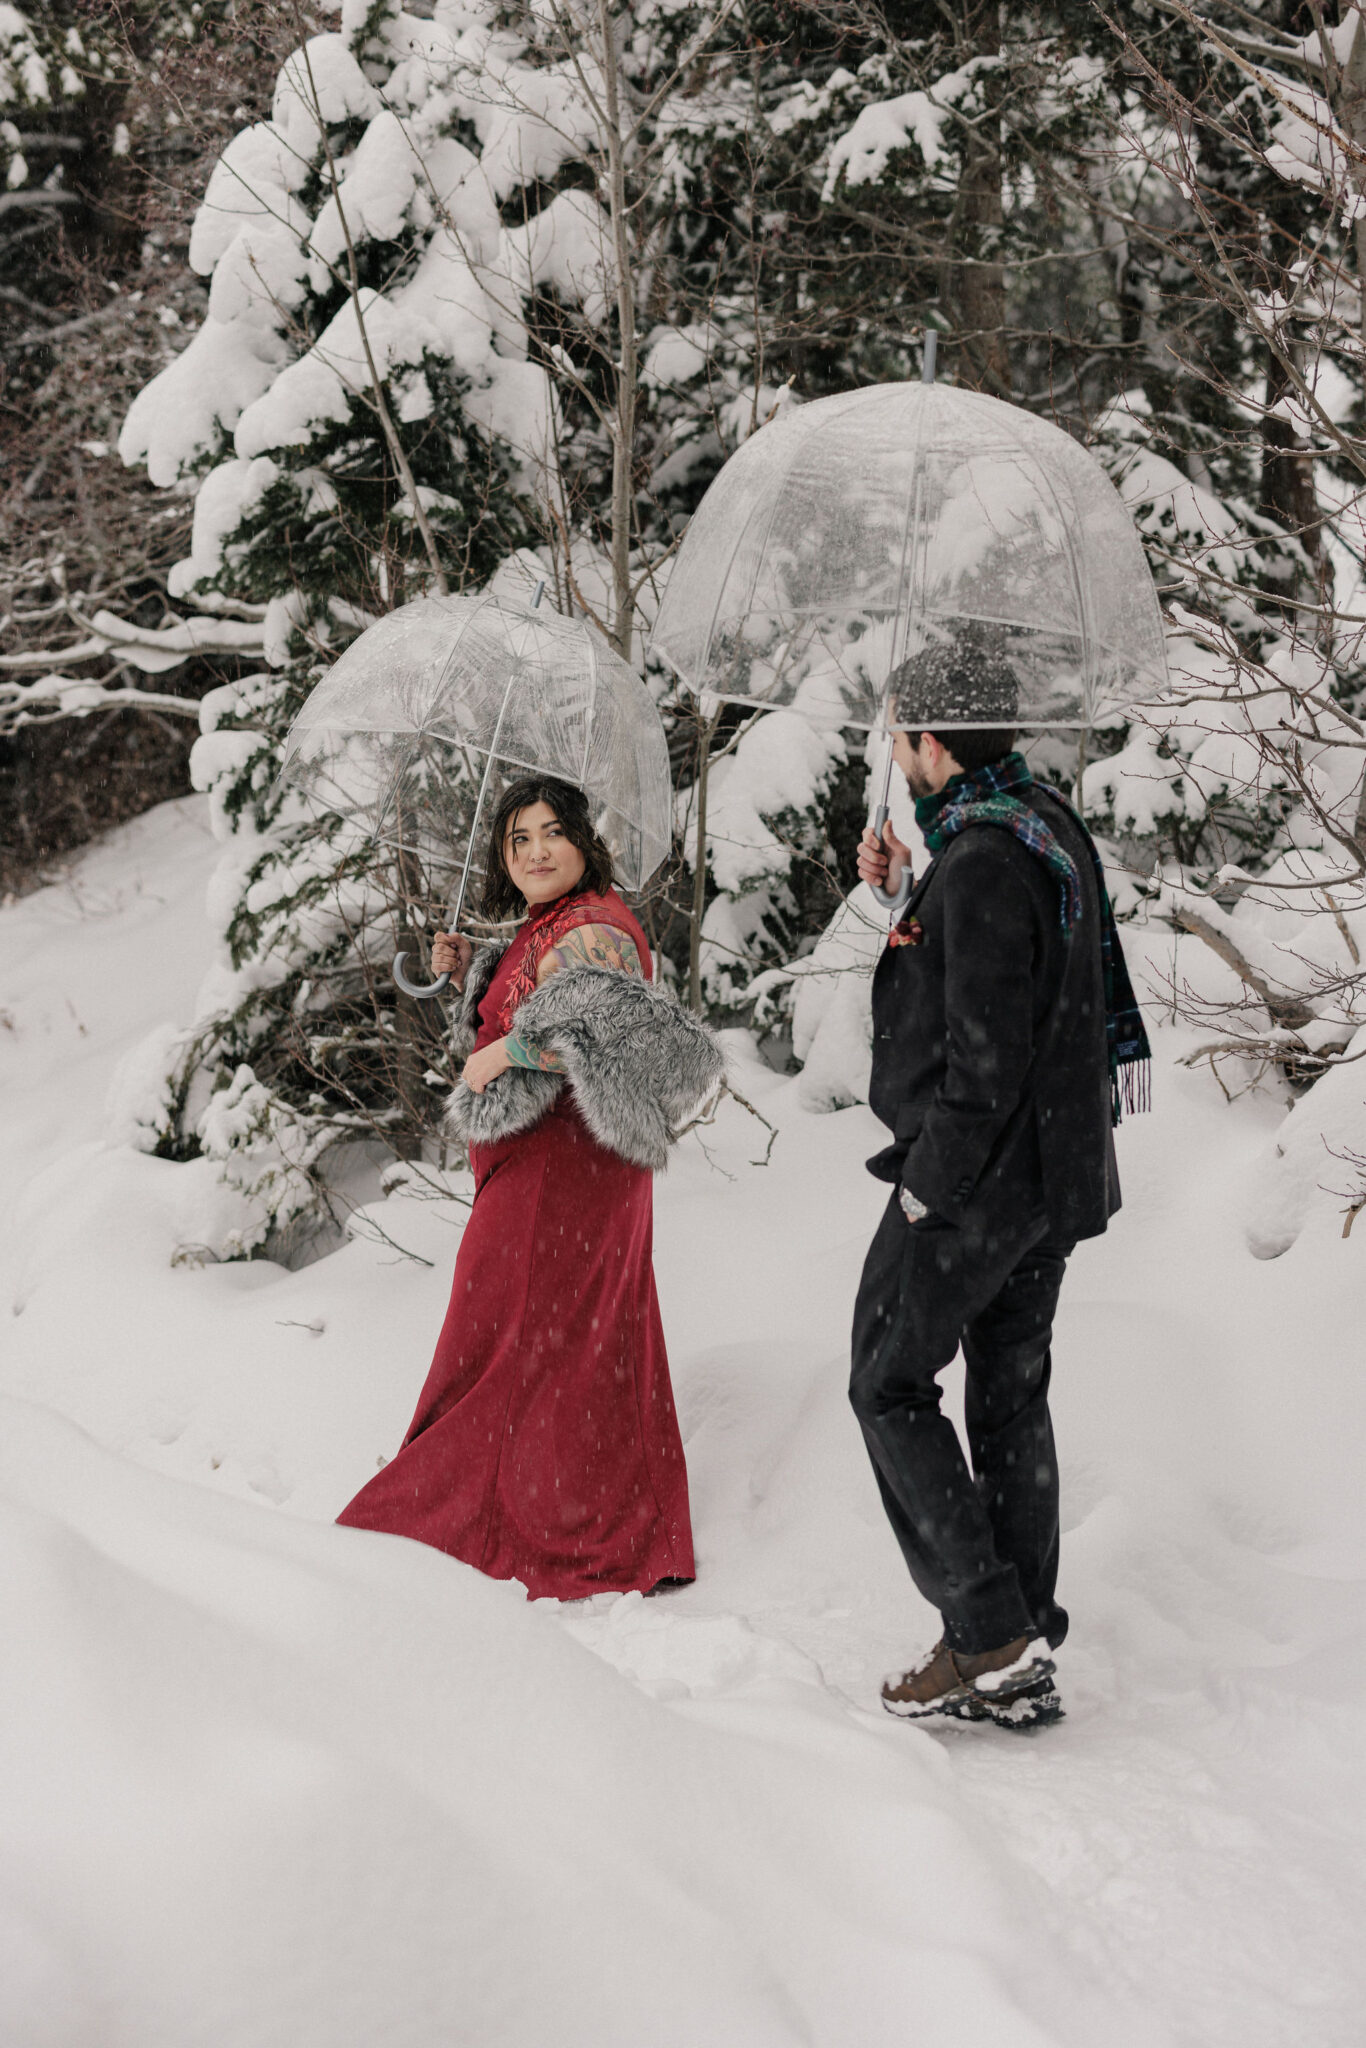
[{"x": 264, "y": 1781}]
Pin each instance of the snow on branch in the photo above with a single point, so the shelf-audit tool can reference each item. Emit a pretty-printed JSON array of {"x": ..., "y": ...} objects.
[
  {"x": 57, "y": 696},
  {"x": 152, "y": 650},
  {"x": 860, "y": 156},
  {"x": 1259, "y": 965}
]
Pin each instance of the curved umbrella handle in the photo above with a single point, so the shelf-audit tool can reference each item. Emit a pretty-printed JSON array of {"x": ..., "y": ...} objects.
[
  {"x": 891, "y": 899},
  {"x": 413, "y": 988},
  {"x": 902, "y": 896}
]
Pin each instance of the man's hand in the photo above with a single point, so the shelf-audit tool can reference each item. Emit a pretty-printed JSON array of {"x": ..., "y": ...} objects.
[
  {"x": 452, "y": 954},
  {"x": 880, "y": 861},
  {"x": 482, "y": 1067}
]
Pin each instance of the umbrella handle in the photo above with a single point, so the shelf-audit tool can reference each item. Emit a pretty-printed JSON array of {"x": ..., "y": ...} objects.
[
  {"x": 890, "y": 899},
  {"x": 413, "y": 988}
]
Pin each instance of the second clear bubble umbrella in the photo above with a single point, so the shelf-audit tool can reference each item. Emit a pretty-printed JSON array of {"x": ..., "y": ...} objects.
[
  {"x": 439, "y": 704},
  {"x": 868, "y": 533}
]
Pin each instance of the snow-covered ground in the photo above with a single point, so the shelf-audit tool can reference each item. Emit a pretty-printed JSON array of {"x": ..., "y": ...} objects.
[{"x": 265, "y": 1781}]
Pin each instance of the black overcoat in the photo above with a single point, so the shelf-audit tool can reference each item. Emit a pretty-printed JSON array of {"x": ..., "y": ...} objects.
[{"x": 989, "y": 1054}]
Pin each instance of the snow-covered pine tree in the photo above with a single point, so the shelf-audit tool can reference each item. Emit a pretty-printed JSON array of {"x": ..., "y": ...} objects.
[
  {"x": 358, "y": 420},
  {"x": 428, "y": 272}
]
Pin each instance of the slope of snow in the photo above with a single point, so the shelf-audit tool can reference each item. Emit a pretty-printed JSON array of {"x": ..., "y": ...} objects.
[
  {"x": 87, "y": 969},
  {"x": 267, "y": 1781}
]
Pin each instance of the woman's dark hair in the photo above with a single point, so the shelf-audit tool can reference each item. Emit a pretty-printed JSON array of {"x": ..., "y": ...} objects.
[{"x": 502, "y": 898}]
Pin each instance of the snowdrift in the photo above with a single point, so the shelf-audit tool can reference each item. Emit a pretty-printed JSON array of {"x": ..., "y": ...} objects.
[{"x": 265, "y": 1781}]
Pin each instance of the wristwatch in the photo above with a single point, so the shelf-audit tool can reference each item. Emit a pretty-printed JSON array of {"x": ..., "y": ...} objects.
[{"x": 912, "y": 1208}]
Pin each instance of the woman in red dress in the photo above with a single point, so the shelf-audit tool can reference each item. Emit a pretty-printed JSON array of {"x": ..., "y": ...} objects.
[{"x": 545, "y": 1447}]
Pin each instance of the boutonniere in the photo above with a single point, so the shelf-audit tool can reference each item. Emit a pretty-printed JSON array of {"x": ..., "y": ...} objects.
[{"x": 908, "y": 932}]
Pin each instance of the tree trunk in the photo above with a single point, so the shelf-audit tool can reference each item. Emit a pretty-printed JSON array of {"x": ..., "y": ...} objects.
[
  {"x": 625, "y": 367},
  {"x": 705, "y": 729},
  {"x": 1288, "y": 492},
  {"x": 974, "y": 281}
]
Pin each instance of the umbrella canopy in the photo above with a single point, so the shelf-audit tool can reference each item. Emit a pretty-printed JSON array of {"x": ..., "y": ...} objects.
[
  {"x": 896, "y": 524},
  {"x": 447, "y": 696}
]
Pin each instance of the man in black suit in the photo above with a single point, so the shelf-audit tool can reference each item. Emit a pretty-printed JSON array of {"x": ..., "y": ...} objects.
[{"x": 993, "y": 1071}]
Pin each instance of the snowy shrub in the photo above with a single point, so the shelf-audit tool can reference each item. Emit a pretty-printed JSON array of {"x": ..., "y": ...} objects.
[{"x": 769, "y": 806}]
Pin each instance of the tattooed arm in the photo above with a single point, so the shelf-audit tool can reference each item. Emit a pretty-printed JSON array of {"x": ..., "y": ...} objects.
[
  {"x": 588, "y": 945},
  {"x": 520, "y": 1055},
  {"x": 592, "y": 945}
]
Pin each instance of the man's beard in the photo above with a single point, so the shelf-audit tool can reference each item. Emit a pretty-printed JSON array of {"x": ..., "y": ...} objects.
[{"x": 917, "y": 781}]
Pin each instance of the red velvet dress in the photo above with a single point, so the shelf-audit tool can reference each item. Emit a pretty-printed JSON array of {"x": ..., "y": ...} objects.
[{"x": 545, "y": 1446}]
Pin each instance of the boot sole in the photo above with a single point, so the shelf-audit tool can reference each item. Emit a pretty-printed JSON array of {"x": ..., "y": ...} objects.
[{"x": 1021, "y": 1709}]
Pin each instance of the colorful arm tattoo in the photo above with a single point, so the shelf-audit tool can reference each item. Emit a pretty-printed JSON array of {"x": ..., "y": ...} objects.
[
  {"x": 592, "y": 945},
  {"x": 523, "y": 1055},
  {"x": 587, "y": 945}
]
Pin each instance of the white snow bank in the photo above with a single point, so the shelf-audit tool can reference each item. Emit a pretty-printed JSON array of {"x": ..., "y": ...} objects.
[
  {"x": 88, "y": 967},
  {"x": 1317, "y": 1158},
  {"x": 271, "y": 1782}
]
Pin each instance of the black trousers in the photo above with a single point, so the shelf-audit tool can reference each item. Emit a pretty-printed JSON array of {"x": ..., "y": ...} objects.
[{"x": 983, "y": 1549}]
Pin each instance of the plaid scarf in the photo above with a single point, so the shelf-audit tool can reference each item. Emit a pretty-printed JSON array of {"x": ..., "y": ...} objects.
[{"x": 995, "y": 795}]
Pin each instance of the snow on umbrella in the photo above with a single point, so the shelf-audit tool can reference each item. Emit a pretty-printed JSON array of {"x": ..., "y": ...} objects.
[
  {"x": 443, "y": 695},
  {"x": 883, "y": 528}
]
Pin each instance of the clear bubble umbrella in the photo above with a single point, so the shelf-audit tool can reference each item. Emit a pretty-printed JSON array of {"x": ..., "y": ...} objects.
[
  {"x": 891, "y": 525},
  {"x": 442, "y": 702}
]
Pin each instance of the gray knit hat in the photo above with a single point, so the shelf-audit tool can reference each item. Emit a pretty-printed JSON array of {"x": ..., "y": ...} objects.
[{"x": 965, "y": 681}]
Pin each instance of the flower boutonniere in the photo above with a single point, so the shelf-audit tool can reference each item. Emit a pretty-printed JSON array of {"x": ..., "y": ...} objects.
[{"x": 908, "y": 932}]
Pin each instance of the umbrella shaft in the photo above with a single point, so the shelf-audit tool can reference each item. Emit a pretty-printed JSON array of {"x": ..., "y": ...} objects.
[
  {"x": 889, "y": 900},
  {"x": 883, "y": 811},
  {"x": 479, "y": 803}
]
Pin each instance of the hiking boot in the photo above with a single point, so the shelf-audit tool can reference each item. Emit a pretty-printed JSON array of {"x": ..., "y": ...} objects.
[{"x": 1012, "y": 1686}]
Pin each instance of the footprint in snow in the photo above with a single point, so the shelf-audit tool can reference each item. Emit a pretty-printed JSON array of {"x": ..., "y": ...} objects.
[{"x": 677, "y": 1656}]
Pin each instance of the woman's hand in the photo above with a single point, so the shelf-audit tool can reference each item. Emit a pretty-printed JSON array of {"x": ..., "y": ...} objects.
[
  {"x": 482, "y": 1067},
  {"x": 880, "y": 861},
  {"x": 452, "y": 954}
]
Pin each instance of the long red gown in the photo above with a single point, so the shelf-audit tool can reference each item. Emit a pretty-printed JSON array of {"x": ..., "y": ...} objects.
[{"x": 545, "y": 1446}]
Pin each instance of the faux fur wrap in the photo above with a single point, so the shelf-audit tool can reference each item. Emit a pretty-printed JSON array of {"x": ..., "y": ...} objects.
[{"x": 637, "y": 1061}]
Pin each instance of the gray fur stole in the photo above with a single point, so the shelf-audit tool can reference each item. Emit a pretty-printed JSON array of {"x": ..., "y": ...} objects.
[{"x": 637, "y": 1062}]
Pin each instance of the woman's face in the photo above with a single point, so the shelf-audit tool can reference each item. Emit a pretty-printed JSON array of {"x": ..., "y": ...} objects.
[{"x": 541, "y": 859}]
